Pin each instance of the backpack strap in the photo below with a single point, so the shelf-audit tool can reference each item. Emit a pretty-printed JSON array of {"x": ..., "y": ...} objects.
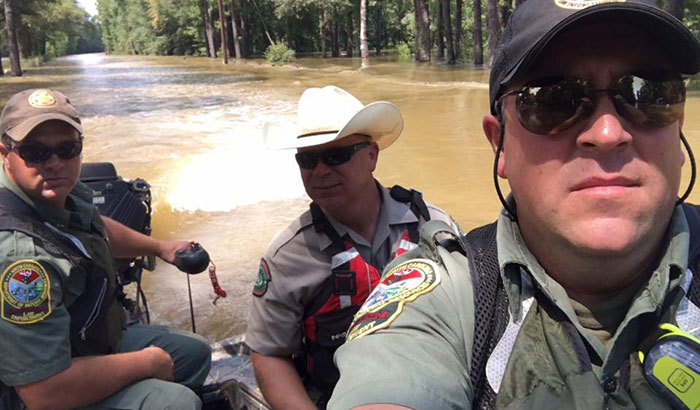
[
  {"x": 415, "y": 198},
  {"x": 692, "y": 215},
  {"x": 491, "y": 309},
  {"x": 15, "y": 215}
]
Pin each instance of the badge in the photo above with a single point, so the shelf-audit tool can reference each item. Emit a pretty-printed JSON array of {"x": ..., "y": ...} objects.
[
  {"x": 42, "y": 99},
  {"x": 403, "y": 284},
  {"x": 25, "y": 293},
  {"x": 263, "y": 279},
  {"x": 582, "y": 4}
]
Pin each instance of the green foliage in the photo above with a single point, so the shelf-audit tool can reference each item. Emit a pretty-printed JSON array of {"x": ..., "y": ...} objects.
[
  {"x": 50, "y": 28},
  {"x": 404, "y": 52},
  {"x": 279, "y": 53},
  {"x": 50, "y": 52}
]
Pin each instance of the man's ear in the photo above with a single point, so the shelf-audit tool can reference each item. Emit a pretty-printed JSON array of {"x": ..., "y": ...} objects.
[
  {"x": 492, "y": 130},
  {"x": 373, "y": 156}
]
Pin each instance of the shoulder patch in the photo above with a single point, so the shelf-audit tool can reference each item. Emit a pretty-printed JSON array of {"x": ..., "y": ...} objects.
[
  {"x": 25, "y": 293},
  {"x": 263, "y": 280},
  {"x": 402, "y": 284}
]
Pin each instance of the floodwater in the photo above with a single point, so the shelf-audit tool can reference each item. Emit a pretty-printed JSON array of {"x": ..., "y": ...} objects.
[{"x": 192, "y": 128}]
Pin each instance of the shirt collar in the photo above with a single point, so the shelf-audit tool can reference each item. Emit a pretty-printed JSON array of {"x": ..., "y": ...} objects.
[
  {"x": 391, "y": 213},
  {"x": 514, "y": 257},
  {"x": 80, "y": 198}
]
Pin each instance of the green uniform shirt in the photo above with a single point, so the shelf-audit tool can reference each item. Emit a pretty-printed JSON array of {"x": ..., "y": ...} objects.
[
  {"x": 38, "y": 346},
  {"x": 422, "y": 358}
]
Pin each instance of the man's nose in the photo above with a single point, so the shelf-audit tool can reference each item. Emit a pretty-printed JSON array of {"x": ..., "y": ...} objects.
[
  {"x": 605, "y": 130},
  {"x": 321, "y": 168},
  {"x": 53, "y": 162}
]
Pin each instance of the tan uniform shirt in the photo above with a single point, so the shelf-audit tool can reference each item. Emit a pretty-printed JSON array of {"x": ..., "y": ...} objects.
[{"x": 299, "y": 262}]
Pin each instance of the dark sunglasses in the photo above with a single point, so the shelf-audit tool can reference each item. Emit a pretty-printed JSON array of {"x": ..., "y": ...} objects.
[
  {"x": 38, "y": 153},
  {"x": 330, "y": 157},
  {"x": 550, "y": 106}
]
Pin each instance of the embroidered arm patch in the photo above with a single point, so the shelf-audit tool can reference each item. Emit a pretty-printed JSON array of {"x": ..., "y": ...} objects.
[
  {"x": 263, "y": 279},
  {"x": 402, "y": 284},
  {"x": 25, "y": 296}
]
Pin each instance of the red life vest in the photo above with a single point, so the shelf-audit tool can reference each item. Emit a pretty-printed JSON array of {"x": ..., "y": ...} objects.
[{"x": 328, "y": 317}]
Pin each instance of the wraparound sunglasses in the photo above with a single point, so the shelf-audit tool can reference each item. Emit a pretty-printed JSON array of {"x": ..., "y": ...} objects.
[
  {"x": 330, "y": 156},
  {"x": 551, "y": 105},
  {"x": 38, "y": 153}
]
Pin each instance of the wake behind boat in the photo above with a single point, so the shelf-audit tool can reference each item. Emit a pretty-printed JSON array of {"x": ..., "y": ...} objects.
[{"x": 231, "y": 383}]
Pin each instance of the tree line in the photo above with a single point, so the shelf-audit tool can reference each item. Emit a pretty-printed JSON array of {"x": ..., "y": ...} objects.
[
  {"x": 443, "y": 30},
  {"x": 45, "y": 29},
  {"x": 446, "y": 31}
]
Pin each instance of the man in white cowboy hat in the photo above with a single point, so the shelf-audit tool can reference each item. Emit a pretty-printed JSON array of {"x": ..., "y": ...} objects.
[{"x": 318, "y": 271}]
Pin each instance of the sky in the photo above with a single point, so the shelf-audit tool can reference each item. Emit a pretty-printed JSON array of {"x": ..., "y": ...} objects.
[{"x": 89, "y": 5}]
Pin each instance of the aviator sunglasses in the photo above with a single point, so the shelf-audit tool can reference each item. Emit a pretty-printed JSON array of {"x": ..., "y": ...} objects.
[
  {"x": 330, "y": 156},
  {"x": 550, "y": 106},
  {"x": 38, "y": 153}
]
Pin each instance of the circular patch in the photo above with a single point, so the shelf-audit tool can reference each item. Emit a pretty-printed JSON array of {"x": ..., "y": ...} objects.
[
  {"x": 402, "y": 284},
  {"x": 24, "y": 290},
  {"x": 582, "y": 4},
  {"x": 42, "y": 99},
  {"x": 263, "y": 279}
]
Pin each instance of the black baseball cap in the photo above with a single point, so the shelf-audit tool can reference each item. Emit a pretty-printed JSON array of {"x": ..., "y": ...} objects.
[{"x": 535, "y": 23}]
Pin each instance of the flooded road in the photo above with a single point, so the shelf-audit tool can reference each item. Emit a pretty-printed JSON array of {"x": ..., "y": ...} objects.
[{"x": 193, "y": 129}]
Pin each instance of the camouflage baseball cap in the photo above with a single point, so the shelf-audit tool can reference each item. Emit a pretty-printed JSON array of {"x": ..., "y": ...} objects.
[{"x": 25, "y": 110}]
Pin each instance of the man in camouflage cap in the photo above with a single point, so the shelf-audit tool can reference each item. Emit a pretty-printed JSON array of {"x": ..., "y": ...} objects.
[{"x": 63, "y": 337}]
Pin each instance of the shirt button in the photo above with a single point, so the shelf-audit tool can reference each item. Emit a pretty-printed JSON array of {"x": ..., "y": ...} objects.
[{"x": 610, "y": 385}]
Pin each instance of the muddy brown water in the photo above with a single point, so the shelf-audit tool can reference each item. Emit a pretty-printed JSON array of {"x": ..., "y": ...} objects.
[{"x": 192, "y": 128}]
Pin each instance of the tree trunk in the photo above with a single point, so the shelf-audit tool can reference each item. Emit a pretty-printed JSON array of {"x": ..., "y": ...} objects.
[
  {"x": 234, "y": 30},
  {"x": 447, "y": 25},
  {"x": 208, "y": 28},
  {"x": 506, "y": 11},
  {"x": 440, "y": 32},
  {"x": 378, "y": 29},
  {"x": 494, "y": 27},
  {"x": 11, "y": 32},
  {"x": 364, "y": 49},
  {"x": 459, "y": 34},
  {"x": 675, "y": 8},
  {"x": 2, "y": 70},
  {"x": 322, "y": 32},
  {"x": 245, "y": 30},
  {"x": 476, "y": 34},
  {"x": 422, "y": 31},
  {"x": 335, "y": 41},
  {"x": 222, "y": 22},
  {"x": 350, "y": 33}
]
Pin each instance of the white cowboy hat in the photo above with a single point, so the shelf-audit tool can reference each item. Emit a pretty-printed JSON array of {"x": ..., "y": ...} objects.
[{"x": 330, "y": 113}]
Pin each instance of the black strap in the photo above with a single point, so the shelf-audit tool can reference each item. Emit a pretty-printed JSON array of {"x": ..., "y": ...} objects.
[
  {"x": 491, "y": 309},
  {"x": 415, "y": 198},
  {"x": 692, "y": 215},
  {"x": 16, "y": 215},
  {"x": 323, "y": 225}
]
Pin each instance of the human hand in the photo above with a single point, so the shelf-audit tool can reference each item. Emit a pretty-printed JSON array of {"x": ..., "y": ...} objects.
[
  {"x": 160, "y": 361},
  {"x": 167, "y": 249}
]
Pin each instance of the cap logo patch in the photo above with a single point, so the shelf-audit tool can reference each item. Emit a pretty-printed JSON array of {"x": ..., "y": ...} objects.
[
  {"x": 402, "y": 284},
  {"x": 25, "y": 296},
  {"x": 42, "y": 99},
  {"x": 582, "y": 4}
]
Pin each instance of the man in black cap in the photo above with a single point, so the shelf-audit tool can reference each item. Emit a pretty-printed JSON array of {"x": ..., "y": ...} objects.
[
  {"x": 584, "y": 294},
  {"x": 63, "y": 338}
]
